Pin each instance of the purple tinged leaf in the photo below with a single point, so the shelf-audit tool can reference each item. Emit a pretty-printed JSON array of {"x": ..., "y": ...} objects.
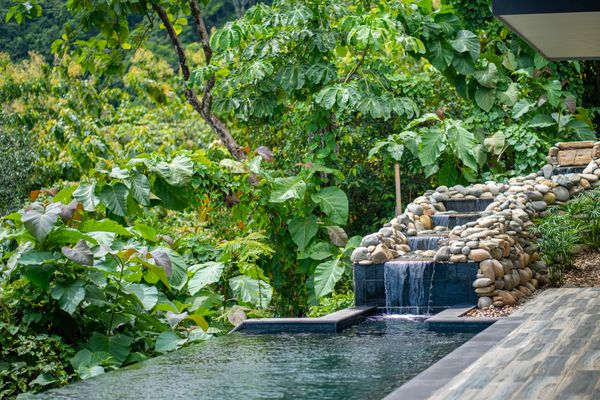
[
  {"x": 337, "y": 236},
  {"x": 571, "y": 104},
  {"x": 174, "y": 318},
  {"x": 81, "y": 253},
  {"x": 161, "y": 258},
  {"x": 67, "y": 211},
  {"x": 265, "y": 153}
]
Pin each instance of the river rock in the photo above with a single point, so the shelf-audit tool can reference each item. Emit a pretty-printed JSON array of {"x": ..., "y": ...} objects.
[
  {"x": 539, "y": 205},
  {"x": 479, "y": 255},
  {"x": 543, "y": 189},
  {"x": 482, "y": 282},
  {"x": 584, "y": 184},
  {"x": 549, "y": 198},
  {"x": 547, "y": 171},
  {"x": 415, "y": 209},
  {"x": 370, "y": 240},
  {"x": 589, "y": 177},
  {"x": 486, "y": 291},
  {"x": 487, "y": 269},
  {"x": 484, "y": 302},
  {"x": 426, "y": 221},
  {"x": 443, "y": 254},
  {"x": 506, "y": 297},
  {"x": 458, "y": 258},
  {"x": 359, "y": 254},
  {"x": 381, "y": 254},
  {"x": 561, "y": 193}
]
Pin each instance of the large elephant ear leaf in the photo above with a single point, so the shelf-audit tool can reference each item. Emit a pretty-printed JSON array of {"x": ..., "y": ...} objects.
[
  {"x": 327, "y": 274},
  {"x": 40, "y": 220},
  {"x": 81, "y": 253},
  {"x": 333, "y": 201}
]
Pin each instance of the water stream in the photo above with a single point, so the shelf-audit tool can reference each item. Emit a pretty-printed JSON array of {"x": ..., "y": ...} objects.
[
  {"x": 406, "y": 288},
  {"x": 424, "y": 242}
]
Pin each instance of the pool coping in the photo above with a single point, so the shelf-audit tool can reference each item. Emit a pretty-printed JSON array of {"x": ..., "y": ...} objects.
[
  {"x": 453, "y": 320},
  {"x": 424, "y": 385},
  {"x": 331, "y": 323}
]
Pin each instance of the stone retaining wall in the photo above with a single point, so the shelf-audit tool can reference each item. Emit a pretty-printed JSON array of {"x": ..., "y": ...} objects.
[{"x": 510, "y": 266}]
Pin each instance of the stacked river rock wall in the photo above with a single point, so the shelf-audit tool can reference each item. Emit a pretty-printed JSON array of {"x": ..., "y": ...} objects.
[{"x": 488, "y": 224}]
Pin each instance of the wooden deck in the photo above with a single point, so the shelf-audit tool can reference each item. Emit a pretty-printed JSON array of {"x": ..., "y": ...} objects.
[{"x": 553, "y": 354}]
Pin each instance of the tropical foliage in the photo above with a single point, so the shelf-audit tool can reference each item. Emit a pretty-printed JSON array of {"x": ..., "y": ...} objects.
[{"x": 165, "y": 179}]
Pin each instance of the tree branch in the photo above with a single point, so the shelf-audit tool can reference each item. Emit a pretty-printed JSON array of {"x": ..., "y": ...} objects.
[
  {"x": 205, "y": 37},
  {"x": 201, "y": 107}
]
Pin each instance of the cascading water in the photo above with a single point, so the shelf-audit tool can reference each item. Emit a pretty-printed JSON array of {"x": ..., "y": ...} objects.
[
  {"x": 406, "y": 288},
  {"x": 452, "y": 220},
  {"x": 467, "y": 205},
  {"x": 568, "y": 170},
  {"x": 424, "y": 242}
]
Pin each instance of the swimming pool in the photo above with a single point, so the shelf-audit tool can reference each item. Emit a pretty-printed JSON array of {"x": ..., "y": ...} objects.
[{"x": 366, "y": 361}]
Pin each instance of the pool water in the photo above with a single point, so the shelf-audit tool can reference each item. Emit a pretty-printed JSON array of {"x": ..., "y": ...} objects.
[{"x": 366, "y": 361}]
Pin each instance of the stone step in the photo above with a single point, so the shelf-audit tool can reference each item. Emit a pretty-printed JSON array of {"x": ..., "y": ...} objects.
[
  {"x": 467, "y": 205},
  {"x": 452, "y": 220}
]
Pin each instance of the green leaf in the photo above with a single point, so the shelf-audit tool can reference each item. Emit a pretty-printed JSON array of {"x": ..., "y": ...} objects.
[
  {"x": 69, "y": 296},
  {"x": 448, "y": 174},
  {"x": 327, "y": 274},
  {"x": 34, "y": 257},
  {"x": 488, "y": 77},
  {"x": 204, "y": 275},
  {"x": 105, "y": 225},
  {"x": 251, "y": 291},
  {"x": 173, "y": 197},
  {"x": 140, "y": 189},
  {"x": 146, "y": 232},
  {"x": 521, "y": 108},
  {"x": 168, "y": 341},
  {"x": 495, "y": 143},
  {"x": 39, "y": 275},
  {"x": 541, "y": 121},
  {"x": 291, "y": 77},
  {"x": 286, "y": 189},
  {"x": 147, "y": 295},
  {"x": 433, "y": 143},
  {"x": 466, "y": 41},
  {"x": 440, "y": 54},
  {"x": 176, "y": 173},
  {"x": 485, "y": 98},
  {"x": 63, "y": 236},
  {"x": 43, "y": 379},
  {"x": 179, "y": 273},
  {"x": 510, "y": 95},
  {"x": 333, "y": 202},
  {"x": 318, "y": 251},
  {"x": 80, "y": 254},
  {"x": 40, "y": 220},
  {"x": 118, "y": 346},
  {"x": 64, "y": 195},
  {"x": 303, "y": 230},
  {"x": 463, "y": 142},
  {"x": 114, "y": 198},
  {"x": 85, "y": 194},
  {"x": 205, "y": 299}
]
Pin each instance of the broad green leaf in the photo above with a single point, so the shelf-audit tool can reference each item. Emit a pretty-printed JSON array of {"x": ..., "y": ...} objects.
[
  {"x": 168, "y": 341},
  {"x": 333, "y": 202},
  {"x": 176, "y": 173},
  {"x": 463, "y": 142},
  {"x": 39, "y": 275},
  {"x": 105, "y": 225},
  {"x": 440, "y": 54},
  {"x": 485, "y": 97},
  {"x": 286, "y": 189},
  {"x": 510, "y": 96},
  {"x": 291, "y": 77},
  {"x": 204, "y": 275},
  {"x": 179, "y": 274},
  {"x": 69, "y": 296},
  {"x": 251, "y": 291},
  {"x": 147, "y": 295},
  {"x": 303, "y": 230},
  {"x": 521, "y": 108},
  {"x": 140, "y": 189},
  {"x": 34, "y": 257},
  {"x": 114, "y": 198},
  {"x": 205, "y": 299},
  {"x": 553, "y": 91},
  {"x": 234, "y": 166},
  {"x": 318, "y": 251},
  {"x": 466, "y": 41},
  {"x": 64, "y": 195},
  {"x": 146, "y": 232},
  {"x": 118, "y": 346},
  {"x": 85, "y": 194},
  {"x": 433, "y": 143},
  {"x": 80, "y": 254},
  {"x": 464, "y": 65},
  {"x": 43, "y": 379},
  {"x": 495, "y": 143},
  {"x": 327, "y": 274},
  {"x": 173, "y": 197},
  {"x": 488, "y": 77},
  {"x": 541, "y": 121},
  {"x": 39, "y": 219},
  {"x": 448, "y": 174},
  {"x": 63, "y": 236}
]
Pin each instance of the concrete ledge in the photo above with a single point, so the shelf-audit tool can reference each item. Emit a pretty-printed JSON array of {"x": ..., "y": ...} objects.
[
  {"x": 331, "y": 323},
  {"x": 439, "y": 374},
  {"x": 452, "y": 320}
]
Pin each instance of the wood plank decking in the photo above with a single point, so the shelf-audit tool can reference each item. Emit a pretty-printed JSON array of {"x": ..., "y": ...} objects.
[{"x": 553, "y": 354}]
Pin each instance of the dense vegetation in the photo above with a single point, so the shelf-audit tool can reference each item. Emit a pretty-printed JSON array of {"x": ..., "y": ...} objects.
[
  {"x": 567, "y": 230},
  {"x": 163, "y": 180}
]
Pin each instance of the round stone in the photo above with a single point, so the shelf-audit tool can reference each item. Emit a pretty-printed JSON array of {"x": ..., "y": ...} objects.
[
  {"x": 482, "y": 282},
  {"x": 359, "y": 254},
  {"x": 484, "y": 302},
  {"x": 561, "y": 193},
  {"x": 479, "y": 255}
]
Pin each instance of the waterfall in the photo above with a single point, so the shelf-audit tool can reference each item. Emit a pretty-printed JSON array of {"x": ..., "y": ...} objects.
[
  {"x": 467, "y": 205},
  {"x": 568, "y": 170},
  {"x": 424, "y": 242},
  {"x": 452, "y": 220},
  {"x": 406, "y": 287}
]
